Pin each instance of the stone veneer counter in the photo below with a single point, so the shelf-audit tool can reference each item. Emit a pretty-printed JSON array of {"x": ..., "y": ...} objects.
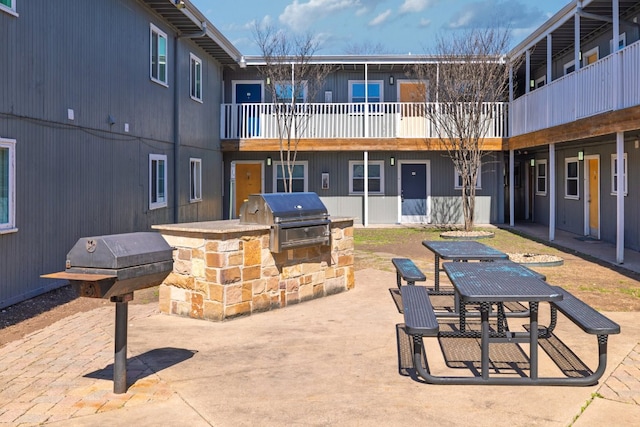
[{"x": 224, "y": 269}]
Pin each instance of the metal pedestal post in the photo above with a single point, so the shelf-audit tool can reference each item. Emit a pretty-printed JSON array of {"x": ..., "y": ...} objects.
[{"x": 120, "y": 351}]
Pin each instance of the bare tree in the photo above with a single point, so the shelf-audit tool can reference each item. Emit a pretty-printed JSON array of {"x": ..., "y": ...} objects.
[
  {"x": 292, "y": 81},
  {"x": 471, "y": 78}
]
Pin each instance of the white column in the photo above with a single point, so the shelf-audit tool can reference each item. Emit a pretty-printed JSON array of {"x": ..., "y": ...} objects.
[
  {"x": 527, "y": 70},
  {"x": 552, "y": 191},
  {"x": 365, "y": 218},
  {"x": 511, "y": 189},
  {"x": 549, "y": 77},
  {"x": 620, "y": 198},
  {"x": 576, "y": 38},
  {"x": 618, "y": 96}
]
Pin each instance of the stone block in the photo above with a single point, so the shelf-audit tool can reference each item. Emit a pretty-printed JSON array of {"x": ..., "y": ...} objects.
[
  {"x": 233, "y": 294},
  {"x": 306, "y": 292},
  {"x": 267, "y": 258},
  {"x": 182, "y": 308},
  {"x": 179, "y": 280},
  {"x": 216, "y": 292},
  {"x": 251, "y": 273},
  {"x": 197, "y": 268},
  {"x": 348, "y": 231},
  {"x": 318, "y": 290},
  {"x": 178, "y": 294},
  {"x": 213, "y": 310},
  {"x": 261, "y": 302},
  {"x": 259, "y": 286},
  {"x": 215, "y": 259},
  {"x": 184, "y": 254},
  {"x": 334, "y": 286},
  {"x": 273, "y": 284},
  {"x": 197, "y": 305},
  {"x": 235, "y": 258},
  {"x": 311, "y": 267},
  {"x": 197, "y": 253},
  {"x": 345, "y": 260},
  {"x": 351, "y": 278},
  {"x": 231, "y": 245},
  {"x": 181, "y": 266},
  {"x": 252, "y": 253},
  {"x": 230, "y": 275},
  {"x": 247, "y": 291},
  {"x": 201, "y": 286},
  {"x": 212, "y": 275},
  {"x": 292, "y": 285},
  {"x": 271, "y": 271},
  {"x": 292, "y": 271},
  {"x": 236, "y": 310}
]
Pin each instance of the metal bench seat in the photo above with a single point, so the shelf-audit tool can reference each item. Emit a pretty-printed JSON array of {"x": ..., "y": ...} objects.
[{"x": 407, "y": 270}]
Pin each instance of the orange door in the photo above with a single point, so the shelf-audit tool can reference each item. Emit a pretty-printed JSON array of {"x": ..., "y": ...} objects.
[
  {"x": 594, "y": 197},
  {"x": 248, "y": 181},
  {"x": 413, "y": 92}
]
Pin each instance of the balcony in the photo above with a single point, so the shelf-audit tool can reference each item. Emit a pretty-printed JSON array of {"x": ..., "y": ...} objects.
[
  {"x": 342, "y": 121},
  {"x": 592, "y": 90}
]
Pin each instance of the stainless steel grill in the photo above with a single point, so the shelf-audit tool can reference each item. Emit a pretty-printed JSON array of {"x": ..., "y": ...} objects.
[
  {"x": 114, "y": 267},
  {"x": 297, "y": 219}
]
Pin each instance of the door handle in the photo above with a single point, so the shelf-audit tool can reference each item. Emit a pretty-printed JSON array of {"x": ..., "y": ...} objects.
[{"x": 401, "y": 196}]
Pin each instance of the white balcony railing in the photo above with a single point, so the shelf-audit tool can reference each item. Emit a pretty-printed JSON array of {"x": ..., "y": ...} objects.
[
  {"x": 350, "y": 120},
  {"x": 584, "y": 93}
]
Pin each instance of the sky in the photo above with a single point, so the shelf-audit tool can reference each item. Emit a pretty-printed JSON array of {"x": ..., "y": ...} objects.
[{"x": 374, "y": 26}]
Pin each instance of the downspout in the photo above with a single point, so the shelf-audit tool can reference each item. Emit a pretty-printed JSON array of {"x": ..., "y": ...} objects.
[{"x": 176, "y": 119}]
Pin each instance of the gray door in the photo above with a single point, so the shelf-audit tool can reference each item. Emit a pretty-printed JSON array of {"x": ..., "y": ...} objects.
[{"x": 413, "y": 192}]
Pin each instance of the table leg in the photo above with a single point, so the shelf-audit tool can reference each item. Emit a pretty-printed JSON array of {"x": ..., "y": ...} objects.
[
  {"x": 533, "y": 339},
  {"x": 484, "y": 339},
  {"x": 436, "y": 278}
]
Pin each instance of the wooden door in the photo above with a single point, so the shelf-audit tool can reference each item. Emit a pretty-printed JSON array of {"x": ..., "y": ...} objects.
[
  {"x": 248, "y": 181},
  {"x": 594, "y": 198}
]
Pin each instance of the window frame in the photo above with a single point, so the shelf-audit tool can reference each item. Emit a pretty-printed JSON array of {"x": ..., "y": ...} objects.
[
  {"x": 11, "y": 10},
  {"x": 568, "y": 65},
  {"x": 587, "y": 54},
  {"x": 622, "y": 43},
  {"x": 545, "y": 177},
  {"x": 277, "y": 165},
  {"x": 157, "y": 204},
  {"x": 543, "y": 80},
  {"x": 195, "y": 180},
  {"x": 379, "y": 83},
  {"x": 10, "y": 225},
  {"x": 457, "y": 179},
  {"x": 288, "y": 86},
  {"x": 195, "y": 81},
  {"x": 161, "y": 34},
  {"x": 567, "y": 178},
  {"x": 353, "y": 163},
  {"x": 614, "y": 175}
]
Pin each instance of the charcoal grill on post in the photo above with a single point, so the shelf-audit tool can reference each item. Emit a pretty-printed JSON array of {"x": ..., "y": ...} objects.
[
  {"x": 297, "y": 219},
  {"x": 113, "y": 267}
]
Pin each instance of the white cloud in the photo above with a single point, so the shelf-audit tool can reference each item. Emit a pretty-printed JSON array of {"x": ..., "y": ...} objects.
[
  {"x": 414, "y": 6},
  {"x": 496, "y": 13},
  {"x": 424, "y": 23},
  {"x": 300, "y": 16},
  {"x": 380, "y": 19}
]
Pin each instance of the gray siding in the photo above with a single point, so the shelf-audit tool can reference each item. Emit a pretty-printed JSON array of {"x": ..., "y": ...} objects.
[{"x": 86, "y": 177}]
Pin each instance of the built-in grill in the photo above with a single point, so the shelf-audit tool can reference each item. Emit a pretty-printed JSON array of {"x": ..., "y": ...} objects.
[
  {"x": 113, "y": 267},
  {"x": 297, "y": 219}
]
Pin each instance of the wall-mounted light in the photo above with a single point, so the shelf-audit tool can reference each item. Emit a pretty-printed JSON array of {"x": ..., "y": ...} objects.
[
  {"x": 581, "y": 155},
  {"x": 392, "y": 161},
  {"x": 268, "y": 161},
  {"x": 179, "y": 4},
  {"x": 580, "y": 55},
  {"x": 111, "y": 120},
  {"x": 391, "y": 80},
  {"x": 268, "y": 81},
  {"x": 533, "y": 162},
  {"x": 243, "y": 62},
  {"x": 532, "y": 83}
]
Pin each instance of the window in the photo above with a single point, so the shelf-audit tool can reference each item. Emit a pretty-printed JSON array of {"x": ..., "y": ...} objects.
[
  {"x": 7, "y": 185},
  {"x": 571, "y": 178},
  {"x": 614, "y": 174},
  {"x": 158, "y": 56},
  {"x": 540, "y": 82},
  {"x": 8, "y": 6},
  {"x": 299, "y": 177},
  {"x": 569, "y": 67},
  {"x": 541, "y": 177},
  {"x": 622, "y": 42},
  {"x": 457, "y": 183},
  {"x": 284, "y": 92},
  {"x": 157, "y": 181},
  {"x": 376, "y": 177},
  {"x": 374, "y": 92},
  {"x": 195, "y": 185},
  {"x": 195, "y": 77}
]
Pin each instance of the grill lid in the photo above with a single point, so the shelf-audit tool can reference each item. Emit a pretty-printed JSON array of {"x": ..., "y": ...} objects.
[
  {"x": 269, "y": 208},
  {"x": 119, "y": 251}
]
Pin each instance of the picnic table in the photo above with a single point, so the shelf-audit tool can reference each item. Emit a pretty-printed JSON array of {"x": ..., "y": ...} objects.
[{"x": 487, "y": 284}]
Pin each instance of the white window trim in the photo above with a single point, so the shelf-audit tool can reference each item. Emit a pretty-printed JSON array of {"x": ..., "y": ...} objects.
[
  {"x": 197, "y": 179},
  {"x": 154, "y": 29},
  {"x": 566, "y": 178},
  {"x": 10, "y": 226},
  {"x": 163, "y": 204},
  {"x": 278, "y": 165},
  {"x": 614, "y": 176},
  {"x": 539, "y": 80},
  {"x": 379, "y": 82},
  {"x": 10, "y": 10},
  {"x": 352, "y": 163},
  {"x": 546, "y": 177},
  {"x": 588, "y": 53},
  {"x": 457, "y": 185},
  {"x": 194, "y": 59},
  {"x": 568, "y": 65}
]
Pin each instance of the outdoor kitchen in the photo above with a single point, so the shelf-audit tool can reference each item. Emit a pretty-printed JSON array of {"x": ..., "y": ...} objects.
[{"x": 283, "y": 250}]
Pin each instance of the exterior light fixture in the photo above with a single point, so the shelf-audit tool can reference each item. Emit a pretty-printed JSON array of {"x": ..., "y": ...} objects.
[
  {"x": 580, "y": 155},
  {"x": 243, "y": 62},
  {"x": 533, "y": 162},
  {"x": 391, "y": 80},
  {"x": 532, "y": 83},
  {"x": 392, "y": 161},
  {"x": 179, "y": 4},
  {"x": 268, "y": 161}
]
